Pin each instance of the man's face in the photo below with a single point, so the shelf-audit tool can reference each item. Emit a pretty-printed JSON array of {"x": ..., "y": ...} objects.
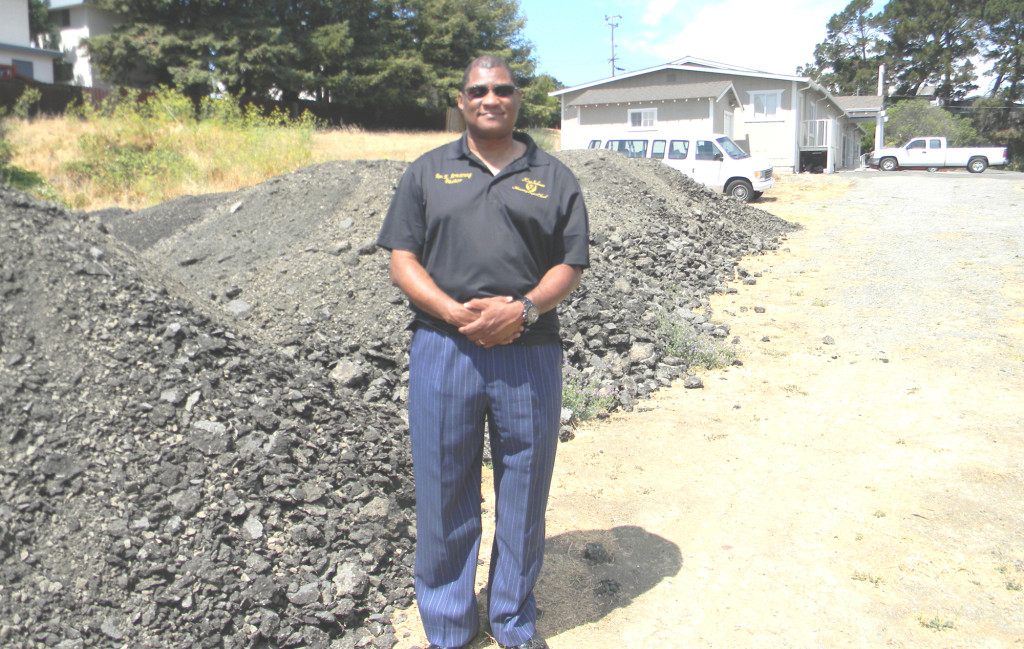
[{"x": 490, "y": 115}]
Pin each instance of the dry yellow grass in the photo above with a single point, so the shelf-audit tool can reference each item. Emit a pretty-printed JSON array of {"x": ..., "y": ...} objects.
[
  {"x": 46, "y": 146},
  {"x": 356, "y": 144}
]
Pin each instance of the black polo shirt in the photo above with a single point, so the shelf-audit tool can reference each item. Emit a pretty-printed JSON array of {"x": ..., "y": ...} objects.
[{"x": 481, "y": 235}]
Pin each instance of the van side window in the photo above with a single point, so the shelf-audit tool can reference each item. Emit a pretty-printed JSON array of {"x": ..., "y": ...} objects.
[
  {"x": 595, "y": 144},
  {"x": 706, "y": 150},
  {"x": 658, "y": 149},
  {"x": 678, "y": 149},
  {"x": 629, "y": 148}
]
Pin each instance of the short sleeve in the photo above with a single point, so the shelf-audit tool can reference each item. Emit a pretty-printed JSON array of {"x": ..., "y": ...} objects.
[{"x": 405, "y": 224}]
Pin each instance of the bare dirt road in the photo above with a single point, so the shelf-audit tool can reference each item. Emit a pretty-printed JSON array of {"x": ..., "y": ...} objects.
[{"x": 858, "y": 481}]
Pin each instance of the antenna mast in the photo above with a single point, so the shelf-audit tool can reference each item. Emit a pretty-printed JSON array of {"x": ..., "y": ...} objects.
[{"x": 613, "y": 25}]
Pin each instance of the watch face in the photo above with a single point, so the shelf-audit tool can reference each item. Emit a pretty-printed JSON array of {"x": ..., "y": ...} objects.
[{"x": 530, "y": 312}]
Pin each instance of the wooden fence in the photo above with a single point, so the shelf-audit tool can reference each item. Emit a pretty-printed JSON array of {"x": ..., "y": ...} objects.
[{"x": 54, "y": 100}]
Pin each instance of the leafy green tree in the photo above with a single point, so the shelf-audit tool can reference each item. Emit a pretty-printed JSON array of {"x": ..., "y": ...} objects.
[
  {"x": 932, "y": 41},
  {"x": 381, "y": 61},
  {"x": 41, "y": 28},
  {"x": 847, "y": 61},
  {"x": 1003, "y": 22},
  {"x": 916, "y": 117},
  {"x": 539, "y": 109}
]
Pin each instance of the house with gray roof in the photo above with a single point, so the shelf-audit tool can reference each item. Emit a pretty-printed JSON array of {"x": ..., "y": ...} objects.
[{"x": 789, "y": 119}]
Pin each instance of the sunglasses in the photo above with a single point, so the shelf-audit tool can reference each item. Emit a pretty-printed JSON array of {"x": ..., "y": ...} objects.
[{"x": 479, "y": 92}]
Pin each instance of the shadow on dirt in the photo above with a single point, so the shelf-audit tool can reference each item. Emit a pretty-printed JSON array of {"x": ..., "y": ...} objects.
[{"x": 589, "y": 574}]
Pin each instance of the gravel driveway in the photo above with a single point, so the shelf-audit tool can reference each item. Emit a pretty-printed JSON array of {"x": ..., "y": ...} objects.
[{"x": 857, "y": 482}]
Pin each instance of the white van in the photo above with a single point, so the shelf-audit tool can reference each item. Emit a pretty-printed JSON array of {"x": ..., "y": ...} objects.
[{"x": 711, "y": 159}]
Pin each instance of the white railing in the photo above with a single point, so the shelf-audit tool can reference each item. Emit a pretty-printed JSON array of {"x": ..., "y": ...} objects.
[{"x": 816, "y": 133}]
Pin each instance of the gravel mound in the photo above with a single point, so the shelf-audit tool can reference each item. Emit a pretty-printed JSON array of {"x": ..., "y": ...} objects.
[{"x": 202, "y": 440}]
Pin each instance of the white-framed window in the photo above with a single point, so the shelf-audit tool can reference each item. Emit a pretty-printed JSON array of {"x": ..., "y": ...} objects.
[
  {"x": 765, "y": 105},
  {"x": 643, "y": 117}
]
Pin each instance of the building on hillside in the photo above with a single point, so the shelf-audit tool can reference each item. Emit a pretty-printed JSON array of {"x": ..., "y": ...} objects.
[
  {"x": 791, "y": 120},
  {"x": 77, "y": 20},
  {"x": 17, "y": 56}
]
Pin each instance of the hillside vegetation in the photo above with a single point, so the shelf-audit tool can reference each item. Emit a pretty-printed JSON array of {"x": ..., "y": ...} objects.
[{"x": 136, "y": 154}]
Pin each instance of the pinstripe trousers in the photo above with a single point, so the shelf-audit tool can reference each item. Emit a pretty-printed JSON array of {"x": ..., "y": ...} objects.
[{"x": 454, "y": 386}]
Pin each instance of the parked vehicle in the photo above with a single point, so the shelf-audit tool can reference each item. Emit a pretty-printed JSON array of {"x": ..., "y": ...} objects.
[
  {"x": 933, "y": 153},
  {"x": 711, "y": 159}
]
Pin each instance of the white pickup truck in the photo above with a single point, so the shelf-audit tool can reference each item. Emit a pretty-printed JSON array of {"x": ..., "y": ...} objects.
[{"x": 932, "y": 153}]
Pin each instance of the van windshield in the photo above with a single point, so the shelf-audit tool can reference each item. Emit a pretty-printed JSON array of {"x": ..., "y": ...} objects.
[{"x": 730, "y": 147}]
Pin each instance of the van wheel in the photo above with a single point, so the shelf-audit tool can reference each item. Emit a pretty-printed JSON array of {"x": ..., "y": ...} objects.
[
  {"x": 740, "y": 189},
  {"x": 977, "y": 165}
]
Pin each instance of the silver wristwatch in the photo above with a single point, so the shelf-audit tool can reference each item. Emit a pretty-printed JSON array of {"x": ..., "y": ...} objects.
[{"x": 530, "y": 311}]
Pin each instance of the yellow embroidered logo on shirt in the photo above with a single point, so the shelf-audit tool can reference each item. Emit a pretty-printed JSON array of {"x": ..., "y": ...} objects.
[
  {"x": 531, "y": 187},
  {"x": 453, "y": 179}
]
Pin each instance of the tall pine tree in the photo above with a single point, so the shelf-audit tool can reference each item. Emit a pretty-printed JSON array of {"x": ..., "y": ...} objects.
[
  {"x": 932, "y": 42},
  {"x": 846, "y": 62}
]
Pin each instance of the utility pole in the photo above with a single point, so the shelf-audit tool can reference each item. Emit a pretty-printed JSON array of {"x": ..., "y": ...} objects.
[{"x": 613, "y": 25}]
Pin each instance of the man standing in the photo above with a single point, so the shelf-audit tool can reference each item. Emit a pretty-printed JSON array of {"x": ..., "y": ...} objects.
[{"x": 487, "y": 236}]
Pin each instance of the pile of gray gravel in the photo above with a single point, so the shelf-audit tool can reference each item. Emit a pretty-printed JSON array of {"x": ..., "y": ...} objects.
[{"x": 202, "y": 436}]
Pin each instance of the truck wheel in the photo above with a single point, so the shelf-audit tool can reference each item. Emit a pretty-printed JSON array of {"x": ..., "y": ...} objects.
[
  {"x": 740, "y": 189},
  {"x": 977, "y": 165},
  {"x": 887, "y": 164}
]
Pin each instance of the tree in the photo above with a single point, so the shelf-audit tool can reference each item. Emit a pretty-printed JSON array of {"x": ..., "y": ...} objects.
[
  {"x": 846, "y": 62},
  {"x": 917, "y": 117},
  {"x": 540, "y": 109},
  {"x": 41, "y": 29},
  {"x": 1003, "y": 22},
  {"x": 932, "y": 41},
  {"x": 382, "y": 61}
]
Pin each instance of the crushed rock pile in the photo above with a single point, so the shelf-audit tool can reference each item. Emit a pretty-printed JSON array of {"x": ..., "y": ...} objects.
[
  {"x": 294, "y": 262},
  {"x": 202, "y": 440}
]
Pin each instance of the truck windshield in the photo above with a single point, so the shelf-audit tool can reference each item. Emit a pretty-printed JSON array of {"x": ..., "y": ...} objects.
[{"x": 730, "y": 147}]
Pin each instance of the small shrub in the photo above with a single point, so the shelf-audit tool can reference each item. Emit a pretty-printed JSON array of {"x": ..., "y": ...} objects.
[
  {"x": 583, "y": 394},
  {"x": 936, "y": 623},
  {"x": 27, "y": 103},
  {"x": 120, "y": 167},
  {"x": 694, "y": 348}
]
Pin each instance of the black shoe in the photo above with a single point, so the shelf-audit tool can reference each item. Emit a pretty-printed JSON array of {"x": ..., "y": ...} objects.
[{"x": 536, "y": 642}]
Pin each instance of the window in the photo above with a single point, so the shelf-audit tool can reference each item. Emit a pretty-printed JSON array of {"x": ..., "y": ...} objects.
[
  {"x": 934, "y": 144},
  {"x": 734, "y": 151},
  {"x": 643, "y": 117},
  {"x": 766, "y": 104},
  {"x": 61, "y": 17},
  {"x": 706, "y": 150},
  {"x": 677, "y": 149},
  {"x": 629, "y": 148},
  {"x": 658, "y": 149},
  {"x": 595, "y": 144},
  {"x": 916, "y": 144},
  {"x": 24, "y": 68}
]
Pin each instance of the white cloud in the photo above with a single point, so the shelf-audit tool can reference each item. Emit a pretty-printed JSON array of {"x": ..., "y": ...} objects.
[
  {"x": 658, "y": 9},
  {"x": 775, "y": 37}
]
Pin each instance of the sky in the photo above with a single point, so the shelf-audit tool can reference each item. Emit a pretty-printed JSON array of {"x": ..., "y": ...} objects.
[{"x": 572, "y": 39}]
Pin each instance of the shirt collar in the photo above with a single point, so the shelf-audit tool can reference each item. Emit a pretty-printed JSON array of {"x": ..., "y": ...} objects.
[{"x": 460, "y": 149}]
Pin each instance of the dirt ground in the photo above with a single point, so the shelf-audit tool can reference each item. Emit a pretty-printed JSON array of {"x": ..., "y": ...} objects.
[{"x": 856, "y": 482}]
